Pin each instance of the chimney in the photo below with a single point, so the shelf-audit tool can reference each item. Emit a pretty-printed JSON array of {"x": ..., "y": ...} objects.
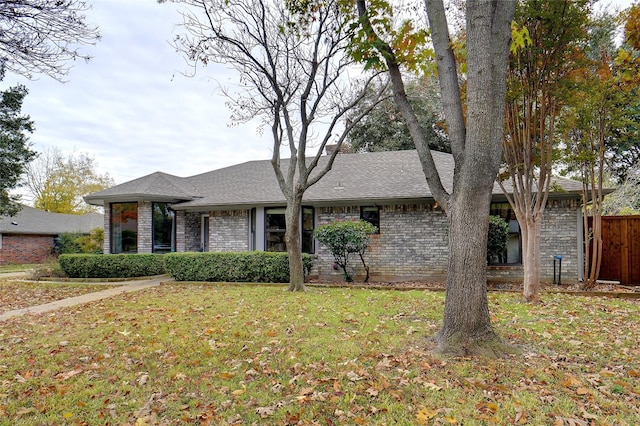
[{"x": 330, "y": 148}]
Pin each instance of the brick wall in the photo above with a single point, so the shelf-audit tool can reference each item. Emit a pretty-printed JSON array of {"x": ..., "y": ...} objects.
[
  {"x": 180, "y": 231},
  {"x": 229, "y": 230},
  {"x": 23, "y": 248},
  {"x": 193, "y": 224},
  {"x": 413, "y": 243},
  {"x": 106, "y": 247},
  {"x": 145, "y": 227},
  {"x": 558, "y": 235}
]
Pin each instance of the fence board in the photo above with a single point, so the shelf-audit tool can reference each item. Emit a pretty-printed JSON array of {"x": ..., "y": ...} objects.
[{"x": 620, "y": 249}]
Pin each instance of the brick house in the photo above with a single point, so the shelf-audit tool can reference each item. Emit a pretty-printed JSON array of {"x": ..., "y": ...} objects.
[
  {"x": 241, "y": 208},
  {"x": 29, "y": 237}
]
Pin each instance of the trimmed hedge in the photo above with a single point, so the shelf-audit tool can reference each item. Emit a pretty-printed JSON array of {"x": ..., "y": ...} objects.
[
  {"x": 252, "y": 266},
  {"x": 111, "y": 265}
]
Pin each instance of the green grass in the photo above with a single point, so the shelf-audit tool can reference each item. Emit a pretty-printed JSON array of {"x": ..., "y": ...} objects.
[
  {"x": 16, "y": 267},
  {"x": 215, "y": 354}
]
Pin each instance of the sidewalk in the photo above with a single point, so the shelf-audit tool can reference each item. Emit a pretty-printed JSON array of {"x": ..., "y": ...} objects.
[{"x": 126, "y": 287}]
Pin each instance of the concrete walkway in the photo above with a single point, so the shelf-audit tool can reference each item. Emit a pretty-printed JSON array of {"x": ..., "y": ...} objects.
[{"x": 124, "y": 287}]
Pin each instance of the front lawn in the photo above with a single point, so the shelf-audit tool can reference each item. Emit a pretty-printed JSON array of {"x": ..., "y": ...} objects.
[
  {"x": 22, "y": 294},
  {"x": 220, "y": 354},
  {"x": 17, "y": 267}
]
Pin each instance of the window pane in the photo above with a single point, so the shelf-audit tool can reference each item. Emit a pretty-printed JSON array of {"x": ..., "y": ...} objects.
[
  {"x": 124, "y": 228},
  {"x": 371, "y": 215},
  {"x": 307, "y": 230},
  {"x": 163, "y": 235},
  {"x": 513, "y": 252},
  {"x": 275, "y": 227}
]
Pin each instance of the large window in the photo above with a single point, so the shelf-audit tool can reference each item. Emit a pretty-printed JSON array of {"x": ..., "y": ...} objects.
[
  {"x": 124, "y": 228},
  {"x": 513, "y": 253},
  {"x": 275, "y": 228},
  {"x": 163, "y": 228},
  {"x": 371, "y": 214}
]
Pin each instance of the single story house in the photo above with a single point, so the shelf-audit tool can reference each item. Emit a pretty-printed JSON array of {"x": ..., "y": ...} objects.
[
  {"x": 29, "y": 237},
  {"x": 241, "y": 208}
]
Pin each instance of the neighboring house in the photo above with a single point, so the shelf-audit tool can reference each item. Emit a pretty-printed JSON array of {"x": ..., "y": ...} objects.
[
  {"x": 29, "y": 237},
  {"x": 241, "y": 208}
]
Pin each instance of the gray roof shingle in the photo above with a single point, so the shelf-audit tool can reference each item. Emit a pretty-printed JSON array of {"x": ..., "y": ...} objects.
[
  {"x": 361, "y": 178},
  {"x": 34, "y": 221}
]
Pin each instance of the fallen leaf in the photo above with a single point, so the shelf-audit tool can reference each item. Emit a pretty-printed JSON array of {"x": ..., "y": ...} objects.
[
  {"x": 582, "y": 391},
  {"x": 424, "y": 415},
  {"x": 265, "y": 412},
  {"x": 69, "y": 374},
  {"x": 432, "y": 386}
]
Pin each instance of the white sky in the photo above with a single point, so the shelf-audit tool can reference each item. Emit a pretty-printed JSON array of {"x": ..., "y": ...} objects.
[{"x": 131, "y": 108}]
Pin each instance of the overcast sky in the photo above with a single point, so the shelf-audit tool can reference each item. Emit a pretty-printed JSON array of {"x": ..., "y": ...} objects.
[{"x": 131, "y": 108}]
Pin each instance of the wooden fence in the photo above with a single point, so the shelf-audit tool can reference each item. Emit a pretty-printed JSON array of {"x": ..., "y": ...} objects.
[{"x": 621, "y": 249}]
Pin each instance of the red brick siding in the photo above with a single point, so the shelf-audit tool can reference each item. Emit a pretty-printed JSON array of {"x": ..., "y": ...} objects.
[{"x": 25, "y": 248}]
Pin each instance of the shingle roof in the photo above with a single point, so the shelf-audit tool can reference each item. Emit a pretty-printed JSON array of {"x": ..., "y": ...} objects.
[
  {"x": 361, "y": 178},
  {"x": 156, "y": 186},
  {"x": 34, "y": 221}
]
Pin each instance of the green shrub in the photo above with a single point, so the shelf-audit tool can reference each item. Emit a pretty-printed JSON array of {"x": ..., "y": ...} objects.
[
  {"x": 76, "y": 242},
  {"x": 111, "y": 265},
  {"x": 67, "y": 243},
  {"x": 344, "y": 238},
  {"x": 497, "y": 240},
  {"x": 253, "y": 266}
]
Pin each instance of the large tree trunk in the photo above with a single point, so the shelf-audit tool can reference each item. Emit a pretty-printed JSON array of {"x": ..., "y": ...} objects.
[
  {"x": 294, "y": 250},
  {"x": 477, "y": 150},
  {"x": 531, "y": 258},
  {"x": 466, "y": 328}
]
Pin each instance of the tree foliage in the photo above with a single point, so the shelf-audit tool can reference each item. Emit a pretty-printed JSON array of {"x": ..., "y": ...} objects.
[
  {"x": 292, "y": 66},
  {"x": 42, "y": 36},
  {"x": 624, "y": 153},
  {"x": 75, "y": 242},
  {"x": 344, "y": 238},
  {"x": 58, "y": 182},
  {"x": 625, "y": 200},
  {"x": 588, "y": 129},
  {"x": 15, "y": 152},
  {"x": 542, "y": 73},
  {"x": 384, "y": 128}
]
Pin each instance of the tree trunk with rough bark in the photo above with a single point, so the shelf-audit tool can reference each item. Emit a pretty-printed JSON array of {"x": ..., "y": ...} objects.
[
  {"x": 466, "y": 328},
  {"x": 477, "y": 149},
  {"x": 292, "y": 239}
]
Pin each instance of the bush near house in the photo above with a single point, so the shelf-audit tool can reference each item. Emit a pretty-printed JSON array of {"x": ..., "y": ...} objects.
[
  {"x": 250, "y": 266},
  {"x": 76, "y": 242},
  {"x": 497, "y": 239},
  {"x": 111, "y": 265}
]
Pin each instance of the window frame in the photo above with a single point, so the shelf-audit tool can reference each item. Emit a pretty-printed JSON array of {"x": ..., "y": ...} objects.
[
  {"x": 172, "y": 237},
  {"x": 366, "y": 218},
  {"x": 270, "y": 241},
  {"x": 112, "y": 228},
  {"x": 506, "y": 212}
]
